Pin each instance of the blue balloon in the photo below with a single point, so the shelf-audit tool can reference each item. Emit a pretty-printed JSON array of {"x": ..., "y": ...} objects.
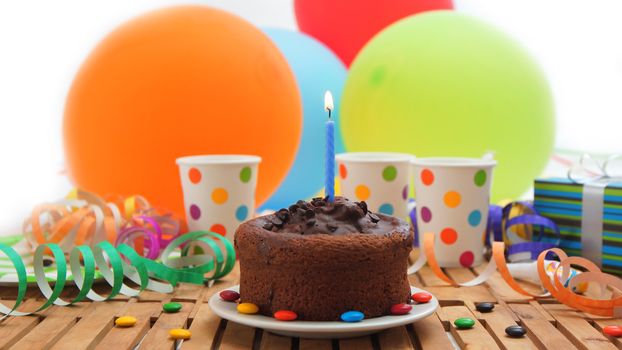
[{"x": 317, "y": 69}]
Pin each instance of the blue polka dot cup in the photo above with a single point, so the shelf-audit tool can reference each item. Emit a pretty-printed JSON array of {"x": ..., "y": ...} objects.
[
  {"x": 219, "y": 191},
  {"x": 452, "y": 196},
  {"x": 379, "y": 179}
]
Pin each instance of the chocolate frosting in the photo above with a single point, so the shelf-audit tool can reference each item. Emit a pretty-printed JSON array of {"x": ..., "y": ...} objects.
[{"x": 320, "y": 216}]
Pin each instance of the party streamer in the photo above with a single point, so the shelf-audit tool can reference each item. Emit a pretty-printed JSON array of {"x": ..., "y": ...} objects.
[
  {"x": 86, "y": 218},
  {"x": 555, "y": 285},
  {"x": 204, "y": 256},
  {"x": 523, "y": 216}
]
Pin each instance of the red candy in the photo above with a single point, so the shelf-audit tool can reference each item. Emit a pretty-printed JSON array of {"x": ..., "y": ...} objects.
[
  {"x": 614, "y": 331},
  {"x": 400, "y": 309},
  {"x": 229, "y": 295},
  {"x": 422, "y": 297},
  {"x": 285, "y": 315}
]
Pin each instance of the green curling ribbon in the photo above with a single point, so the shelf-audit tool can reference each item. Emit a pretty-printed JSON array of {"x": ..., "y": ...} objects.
[{"x": 215, "y": 259}]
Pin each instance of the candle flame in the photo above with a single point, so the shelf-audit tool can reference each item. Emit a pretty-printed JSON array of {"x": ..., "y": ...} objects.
[{"x": 328, "y": 101}]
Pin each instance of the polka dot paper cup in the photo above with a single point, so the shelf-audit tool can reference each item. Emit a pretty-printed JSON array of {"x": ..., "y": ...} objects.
[
  {"x": 380, "y": 179},
  {"x": 219, "y": 191},
  {"x": 452, "y": 196}
]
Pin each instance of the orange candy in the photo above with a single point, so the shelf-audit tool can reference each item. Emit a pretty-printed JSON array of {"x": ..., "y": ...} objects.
[
  {"x": 285, "y": 315},
  {"x": 422, "y": 297},
  {"x": 614, "y": 331}
]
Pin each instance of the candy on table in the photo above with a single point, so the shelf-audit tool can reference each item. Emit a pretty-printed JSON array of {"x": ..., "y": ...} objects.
[
  {"x": 125, "y": 321},
  {"x": 180, "y": 333},
  {"x": 285, "y": 315},
  {"x": 421, "y": 297},
  {"x": 400, "y": 309},
  {"x": 614, "y": 331},
  {"x": 229, "y": 295},
  {"x": 171, "y": 307},
  {"x": 515, "y": 331},
  {"x": 464, "y": 323},
  {"x": 352, "y": 316},
  {"x": 484, "y": 307},
  {"x": 248, "y": 308}
]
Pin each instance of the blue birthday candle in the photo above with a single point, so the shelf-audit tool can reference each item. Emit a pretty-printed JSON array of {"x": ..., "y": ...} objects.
[{"x": 329, "y": 184}]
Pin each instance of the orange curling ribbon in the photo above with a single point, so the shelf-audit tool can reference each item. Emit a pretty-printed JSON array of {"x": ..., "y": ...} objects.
[
  {"x": 601, "y": 307},
  {"x": 555, "y": 285},
  {"x": 85, "y": 218}
]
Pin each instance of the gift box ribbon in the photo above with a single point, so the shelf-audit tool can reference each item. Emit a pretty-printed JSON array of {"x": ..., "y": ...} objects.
[{"x": 595, "y": 177}]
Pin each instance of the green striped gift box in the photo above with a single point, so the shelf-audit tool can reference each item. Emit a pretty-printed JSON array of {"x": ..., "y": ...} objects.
[{"x": 561, "y": 201}]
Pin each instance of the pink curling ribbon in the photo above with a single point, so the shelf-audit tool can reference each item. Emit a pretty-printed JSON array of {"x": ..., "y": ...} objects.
[{"x": 157, "y": 231}]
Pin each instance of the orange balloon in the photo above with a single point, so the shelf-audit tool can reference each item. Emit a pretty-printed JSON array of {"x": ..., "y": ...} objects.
[{"x": 175, "y": 82}]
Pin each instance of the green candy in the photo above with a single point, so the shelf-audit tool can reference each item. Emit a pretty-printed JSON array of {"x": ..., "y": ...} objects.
[
  {"x": 171, "y": 307},
  {"x": 464, "y": 323}
]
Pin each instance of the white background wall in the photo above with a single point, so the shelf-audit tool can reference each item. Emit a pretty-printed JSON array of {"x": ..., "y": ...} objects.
[{"x": 43, "y": 42}]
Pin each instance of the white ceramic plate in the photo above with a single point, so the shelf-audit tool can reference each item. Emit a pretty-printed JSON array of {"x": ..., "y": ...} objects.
[{"x": 317, "y": 329}]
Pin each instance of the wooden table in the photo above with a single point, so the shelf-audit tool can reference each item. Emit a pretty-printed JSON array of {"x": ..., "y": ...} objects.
[{"x": 90, "y": 325}]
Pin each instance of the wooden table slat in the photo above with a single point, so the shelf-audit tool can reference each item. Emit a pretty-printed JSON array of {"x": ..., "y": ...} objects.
[
  {"x": 428, "y": 278},
  {"x": 473, "y": 338},
  {"x": 271, "y": 341},
  {"x": 203, "y": 328},
  {"x": 188, "y": 292},
  {"x": 500, "y": 288},
  {"x": 87, "y": 325},
  {"x": 359, "y": 343},
  {"x": 122, "y": 338},
  {"x": 541, "y": 331},
  {"x": 315, "y": 344},
  {"x": 158, "y": 336},
  {"x": 496, "y": 322},
  {"x": 96, "y": 321},
  {"x": 571, "y": 323},
  {"x": 431, "y": 334},
  {"x": 15, "y": 328},
  {"x": 395, "y": 338},
  {"x": 237, "y": 337},
  {"x": 57, "y": 321}
]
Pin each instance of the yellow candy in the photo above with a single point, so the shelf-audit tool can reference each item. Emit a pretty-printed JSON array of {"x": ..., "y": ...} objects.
[
  {"x": 179, "y": 333},
  {"x": 248, "y": 308},
  {"x": 125, "y": 321}
]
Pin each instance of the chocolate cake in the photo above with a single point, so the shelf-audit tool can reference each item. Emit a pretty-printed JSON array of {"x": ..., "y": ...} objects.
[{"x": 321, "y": 259}]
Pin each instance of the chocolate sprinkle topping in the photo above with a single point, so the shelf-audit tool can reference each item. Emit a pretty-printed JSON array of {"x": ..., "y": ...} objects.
[
  {"x": 321, "y": 216},
  {"x": 373, "y": 217}
]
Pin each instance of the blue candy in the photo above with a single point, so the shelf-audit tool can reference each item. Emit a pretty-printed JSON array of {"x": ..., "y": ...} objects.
[{"x": 352, "y": 316}]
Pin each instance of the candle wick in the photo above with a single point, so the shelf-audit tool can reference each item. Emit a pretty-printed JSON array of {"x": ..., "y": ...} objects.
[{"x": 329, "y": 113}]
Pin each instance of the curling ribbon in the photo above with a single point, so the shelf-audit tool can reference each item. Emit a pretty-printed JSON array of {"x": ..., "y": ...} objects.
[
  {"x": 501, "y": 221},
  {"x": 557, "y": 285},
  {"x": 85, "y": 218},
  {"x": 524, "y": 218},
  {"x": 146, "y": 273}
]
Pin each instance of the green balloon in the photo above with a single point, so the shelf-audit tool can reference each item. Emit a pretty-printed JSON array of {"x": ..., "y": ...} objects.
[{"x": 446, "y": 84}]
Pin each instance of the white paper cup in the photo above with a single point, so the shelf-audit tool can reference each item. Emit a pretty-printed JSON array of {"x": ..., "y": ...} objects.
[
  {"x": 452, "y": 196},
  {"x": 219, "y": 191},
  {"x": 379, "y": 179}
]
